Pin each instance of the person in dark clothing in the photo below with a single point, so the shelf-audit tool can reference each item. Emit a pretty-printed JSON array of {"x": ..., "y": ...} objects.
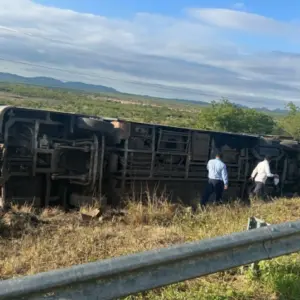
[{"x": 217, "y": 180}]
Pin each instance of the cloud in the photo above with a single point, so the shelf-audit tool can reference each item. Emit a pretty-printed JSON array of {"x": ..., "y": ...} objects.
[
  {"x": 244, "y": 21},
  {"x": 204, "y": 55}
]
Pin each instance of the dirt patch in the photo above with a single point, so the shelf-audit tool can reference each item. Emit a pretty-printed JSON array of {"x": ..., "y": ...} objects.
[{"x": 15, "y": 224}]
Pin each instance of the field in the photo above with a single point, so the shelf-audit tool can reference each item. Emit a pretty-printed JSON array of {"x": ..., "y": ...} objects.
[
  {"x": 169, "y": 112},
  {"x": 32, "y": 241},
  {"x": 38, "y": 241}
]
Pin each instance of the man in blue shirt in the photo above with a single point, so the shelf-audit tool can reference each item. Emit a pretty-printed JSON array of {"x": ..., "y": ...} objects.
[{"x": 217, "y": 179}]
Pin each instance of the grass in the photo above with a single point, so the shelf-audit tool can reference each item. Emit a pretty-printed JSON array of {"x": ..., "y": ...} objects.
[
  {"x": 87, "y": 103},
  {"x": 137, "y": 108},
  {"x": 33, "y": 241}
]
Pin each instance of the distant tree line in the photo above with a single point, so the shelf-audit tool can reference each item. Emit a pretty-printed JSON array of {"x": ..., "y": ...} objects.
[
  {"x": 226, "y": 116},
  {"x": 220, "y": 115}
]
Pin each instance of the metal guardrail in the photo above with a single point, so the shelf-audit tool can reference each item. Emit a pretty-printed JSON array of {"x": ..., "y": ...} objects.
[{"x": 122, "y": 276}]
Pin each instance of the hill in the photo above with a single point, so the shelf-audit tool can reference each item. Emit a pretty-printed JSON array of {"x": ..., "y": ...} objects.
[
  {"x": 80, "y": 86},
  {"x": 51, "y": 82}
]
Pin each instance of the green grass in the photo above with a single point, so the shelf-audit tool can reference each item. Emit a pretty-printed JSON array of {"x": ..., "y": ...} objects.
[
  {"x": 137, "y": 108},
  {"x": 81, "y": 103}
]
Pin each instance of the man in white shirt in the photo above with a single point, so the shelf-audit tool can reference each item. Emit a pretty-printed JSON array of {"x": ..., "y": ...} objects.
[{"x": 260, "y": 175}]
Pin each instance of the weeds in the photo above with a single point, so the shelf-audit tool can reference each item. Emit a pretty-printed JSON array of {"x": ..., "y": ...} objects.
[
  {"x": 55, "y": 239},
  {"x": 154, "y": 210}
]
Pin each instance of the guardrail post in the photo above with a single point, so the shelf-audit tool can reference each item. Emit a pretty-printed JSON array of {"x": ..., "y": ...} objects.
[{"x": 254, "y": 223}]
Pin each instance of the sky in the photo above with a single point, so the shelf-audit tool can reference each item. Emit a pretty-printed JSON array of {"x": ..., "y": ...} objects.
[{"x": 247, "y": 51}]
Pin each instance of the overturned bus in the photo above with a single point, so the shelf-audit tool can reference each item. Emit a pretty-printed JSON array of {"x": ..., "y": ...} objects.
[{"x": 55, "y": 158}]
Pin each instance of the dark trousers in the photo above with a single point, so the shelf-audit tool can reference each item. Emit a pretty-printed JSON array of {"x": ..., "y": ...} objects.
[
  {"x": 259, "y": 190},
  {"x": 213, "y": 186}
]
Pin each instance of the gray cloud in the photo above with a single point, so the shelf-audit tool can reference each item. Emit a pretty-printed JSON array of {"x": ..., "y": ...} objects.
[{"x": 194, "y": 57}]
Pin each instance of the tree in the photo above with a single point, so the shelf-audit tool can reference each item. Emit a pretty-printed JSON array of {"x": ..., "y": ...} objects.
[
  {"x": 226, "y": 116},
  {"x": 291, "y": 122}
]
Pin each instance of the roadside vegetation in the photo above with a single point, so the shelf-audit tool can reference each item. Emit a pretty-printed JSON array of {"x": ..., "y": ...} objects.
[
  {"x": 33, "y": 241},
  {"x": 221, "y": 115}
]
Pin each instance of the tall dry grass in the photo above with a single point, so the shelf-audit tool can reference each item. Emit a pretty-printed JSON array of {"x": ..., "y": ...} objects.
[{"x": 32, "y": 241}]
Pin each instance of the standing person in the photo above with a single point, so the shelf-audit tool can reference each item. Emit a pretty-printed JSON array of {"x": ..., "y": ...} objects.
[
  {"x": 260, "y": 175},
  {"x": 217, "y": 179}
]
